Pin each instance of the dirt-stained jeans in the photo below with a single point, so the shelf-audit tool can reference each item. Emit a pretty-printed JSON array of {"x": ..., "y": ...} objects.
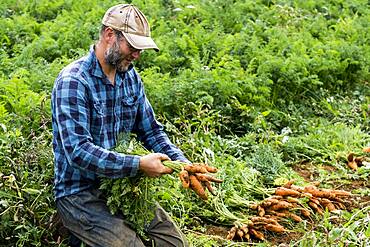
[{"x": 88, "y": 218}]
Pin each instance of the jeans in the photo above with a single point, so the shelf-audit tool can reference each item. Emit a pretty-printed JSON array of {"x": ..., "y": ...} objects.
[{"x": 88, "y": 218}]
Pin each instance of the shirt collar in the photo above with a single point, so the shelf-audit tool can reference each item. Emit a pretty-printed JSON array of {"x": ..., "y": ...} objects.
[{"x": 95, "y": 68}]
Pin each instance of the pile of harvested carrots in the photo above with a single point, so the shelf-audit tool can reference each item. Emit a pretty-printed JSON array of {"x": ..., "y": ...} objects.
[
  {"x": 194, "y": 176},
  {"x": 289, "y": 202}
]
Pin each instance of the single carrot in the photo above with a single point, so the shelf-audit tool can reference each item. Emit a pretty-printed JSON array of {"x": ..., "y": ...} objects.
[
  {"x": 257, "y": 219},
  {"x": 315, "y": 207},
  {"x": 366, "y": 149},
  {"x": 269, "y": 201},
  {"x": 297, "y": 188},
  {"x": 244, "y": 228},
  {"x": 326, "y": 203},
  {"x": 281, "y": 191},
  {"x": 197, "y": 187},
  {"x": 281, "y": 205},
  {"x": 209, "y": 187},
  {"x": 315, "y": 200},
  {"x": 305, "y": 212},
  {"x": 210, "y": 169},
  {"x": 292, "y": 200},
  {"x": 195, "y": 168},
  {"x": 205, "y": 177},
  {"x": 240, "y": 233},
  {"x": 350, "y": 157},
  {"x": 184, "y": 177},
  {"x": 295, "y": 217},
  {"x": 231, "y": 233},
  {"x": 289, "y": 184},
  {"x": 259, "y": 235},
  {"x": 274, "y": 228},
  {"x": 353, "y": 165},
  {"x": 261, "y": 211},
  {"x": 342, "y": 193}
]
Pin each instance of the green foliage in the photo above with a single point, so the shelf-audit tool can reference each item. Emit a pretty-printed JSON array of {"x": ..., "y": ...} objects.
[
  {"x": 325, "y": 143},
  {"x": 226, "y": 87},
  {"x": 354, "y": 230},
  {"x": 26, "y": 205}
]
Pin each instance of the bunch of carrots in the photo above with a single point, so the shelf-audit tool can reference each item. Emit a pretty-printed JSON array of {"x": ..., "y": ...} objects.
[
  {"x": 288, "y": 202},
  {"x": 354, "y": 162},
  {"x": 195, "y": 177},
  {"x": 254, "y": 228}
]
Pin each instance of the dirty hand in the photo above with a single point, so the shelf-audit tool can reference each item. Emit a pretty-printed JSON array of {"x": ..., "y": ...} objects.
[{"x": 151, "y": 165}]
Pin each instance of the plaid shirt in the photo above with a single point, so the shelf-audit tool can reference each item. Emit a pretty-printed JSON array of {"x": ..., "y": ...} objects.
[{"x": 88, "y": 113}]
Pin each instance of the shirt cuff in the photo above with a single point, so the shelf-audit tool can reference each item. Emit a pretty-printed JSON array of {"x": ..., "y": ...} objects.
[{"x": 135, "y": 165}]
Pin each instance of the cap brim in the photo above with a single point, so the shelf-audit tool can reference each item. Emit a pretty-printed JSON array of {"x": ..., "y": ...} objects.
[{"x": 140, "y": 42}]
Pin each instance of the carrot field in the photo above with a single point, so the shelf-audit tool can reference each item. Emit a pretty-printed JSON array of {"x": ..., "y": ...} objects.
[{"x": 269, "y": 99}]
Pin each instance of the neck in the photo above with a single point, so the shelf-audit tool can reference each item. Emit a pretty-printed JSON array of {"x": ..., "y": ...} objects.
[{"x": 108, "y": 70}]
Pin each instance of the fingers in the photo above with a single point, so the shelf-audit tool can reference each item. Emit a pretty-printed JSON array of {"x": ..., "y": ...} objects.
[
  {"x": 167, "y": 170},
  {"x": 163, "y": 157}
]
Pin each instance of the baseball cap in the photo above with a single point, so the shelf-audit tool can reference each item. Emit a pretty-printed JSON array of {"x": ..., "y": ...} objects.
[{"x": 132, "y": 23}]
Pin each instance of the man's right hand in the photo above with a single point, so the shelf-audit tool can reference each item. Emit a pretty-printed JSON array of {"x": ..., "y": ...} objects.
[{"x": 151, "y": 165}]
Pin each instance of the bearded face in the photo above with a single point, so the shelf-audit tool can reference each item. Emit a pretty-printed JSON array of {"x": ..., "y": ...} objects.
[{"x": 116, "y": 57}]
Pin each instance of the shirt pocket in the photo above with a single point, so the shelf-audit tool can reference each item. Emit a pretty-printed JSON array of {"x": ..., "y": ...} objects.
[
  {"x": 129, "y": 112},
  {"x": 98, "y": 118}
]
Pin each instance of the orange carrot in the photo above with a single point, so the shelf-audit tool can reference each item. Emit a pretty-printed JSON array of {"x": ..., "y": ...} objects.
[
  {"x": 288, "y": 184},
  {"x": 305, "y": 212},
  {"x": 210, "y": 169},
  {"x": 240, "y": 233},
  {"x": 350, "y": 157},
  {"x": 269, "y": 201},
  {"x": 315, "y": 200},
  {"x": 315, "y": 207},
  {"x": 204, "y": 177},
  {"x": 264, "y": 219},
  {"x": 327, "y": 204},
  {"x": 353, "y": 165},
  {"x": 295, "y": 217},
  {"x": 340, "y": 205},
  {"x": 281, "y": 205},
  {"x": 184, "y": 177},
  {"x": 244, "y": 228},
  {"x": 342, "y": 193},
  {"x": 261, "y": 211},
  {"x": 366, "y": 149},
  {"x": 292, "y": 200},
  {"x": 197, "y": 187},
  {"x": 274, "y": 228},
  {"x": 259, "y": 235},
  {"x": 195, "y": 168},
  {"x": 281, "y": 191},
  {"x": 297, "y": 188},
  {"x": 209, "y": 187},
  {"x": 231, "y": 233}
]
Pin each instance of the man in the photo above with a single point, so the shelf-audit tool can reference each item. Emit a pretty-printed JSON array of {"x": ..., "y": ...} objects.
[{"x": 94, "y": 99}]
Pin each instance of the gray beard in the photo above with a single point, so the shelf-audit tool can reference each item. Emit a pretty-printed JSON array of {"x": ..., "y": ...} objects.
[{"x": 114, "y": 57}]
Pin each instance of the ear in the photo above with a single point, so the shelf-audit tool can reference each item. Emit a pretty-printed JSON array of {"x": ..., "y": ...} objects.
[{"x": 109, "y": 35}]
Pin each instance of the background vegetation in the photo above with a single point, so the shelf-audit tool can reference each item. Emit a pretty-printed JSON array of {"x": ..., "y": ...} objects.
[{"x": 252, "y": 87}]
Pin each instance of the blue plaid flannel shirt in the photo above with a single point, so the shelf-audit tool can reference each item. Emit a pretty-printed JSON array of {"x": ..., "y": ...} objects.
[{"x": 88, "y": 113}]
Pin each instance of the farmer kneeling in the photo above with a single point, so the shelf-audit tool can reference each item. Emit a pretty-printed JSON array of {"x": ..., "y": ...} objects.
[{"x": 95, "y": 99}]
